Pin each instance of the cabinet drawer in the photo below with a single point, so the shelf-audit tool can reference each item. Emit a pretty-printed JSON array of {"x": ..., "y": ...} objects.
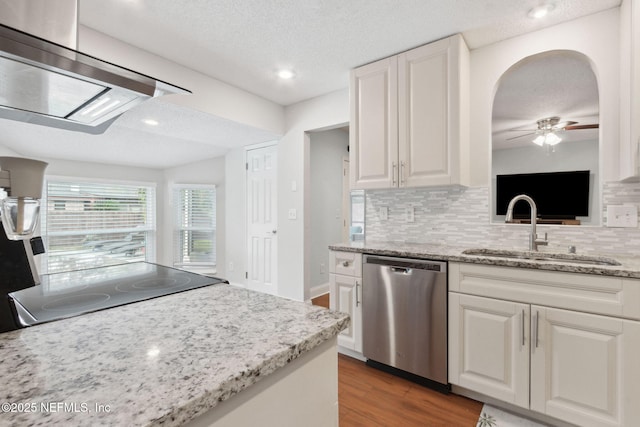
[
  {"x": 614, "y": 296},
  {"x": 346, "y": 263}
]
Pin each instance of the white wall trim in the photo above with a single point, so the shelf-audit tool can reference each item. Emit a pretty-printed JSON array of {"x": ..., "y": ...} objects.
[{"x": 260, "y": 145}]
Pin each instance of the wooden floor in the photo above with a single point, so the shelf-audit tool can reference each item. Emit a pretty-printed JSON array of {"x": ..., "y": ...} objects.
[{"x": 369, "y": 397}]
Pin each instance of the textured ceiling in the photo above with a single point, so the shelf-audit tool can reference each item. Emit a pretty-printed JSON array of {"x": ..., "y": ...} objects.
[
  {"x": 556, "y": 83},
  {"x": 243, "y": 43}
]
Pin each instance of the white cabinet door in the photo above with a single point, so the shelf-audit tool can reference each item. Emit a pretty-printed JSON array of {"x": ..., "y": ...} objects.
[
  {"x": 489, "y": 347},
  {"x": 428, "y": 139},
  {"x": 346, "y": 296},
  {"x": 373, "y": 136},
  {"x": 584, "y": 367},
  {"x": 630, "y": 91}
]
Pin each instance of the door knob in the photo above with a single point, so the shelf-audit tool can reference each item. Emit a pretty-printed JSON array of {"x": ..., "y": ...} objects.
[{"x": 274, "y": 231}]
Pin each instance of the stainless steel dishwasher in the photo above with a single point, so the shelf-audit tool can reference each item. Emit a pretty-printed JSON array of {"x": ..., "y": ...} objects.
[{"x": 404, "y": 306}]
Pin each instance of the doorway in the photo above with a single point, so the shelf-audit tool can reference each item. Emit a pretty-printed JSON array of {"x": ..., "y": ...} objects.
[{"x": 329, "y": 209}]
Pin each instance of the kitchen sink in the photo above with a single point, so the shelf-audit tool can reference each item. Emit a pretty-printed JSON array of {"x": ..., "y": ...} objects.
[{"x": 541, "y": 256}]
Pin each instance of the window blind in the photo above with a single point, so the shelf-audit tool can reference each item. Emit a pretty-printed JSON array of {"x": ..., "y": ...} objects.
[
  {"x": 194, "y": 227},
  {"x": 87, "y": 224}
]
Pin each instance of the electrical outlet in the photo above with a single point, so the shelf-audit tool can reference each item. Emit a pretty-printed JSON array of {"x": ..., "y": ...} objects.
[
  {"x": 383, "y": 213},
  {"x": 322, "y": 268},
  {"x": 293, "y": 214},
  {"x": 230, "y": 266},
  {"x": 622, "y": 216},
  {"x": 410, "y": 214}
]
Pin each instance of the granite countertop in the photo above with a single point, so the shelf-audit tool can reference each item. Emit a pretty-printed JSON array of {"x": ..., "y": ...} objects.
[
  {"x": 157, "y": 362},
  {"x": 629, "y": 266}
]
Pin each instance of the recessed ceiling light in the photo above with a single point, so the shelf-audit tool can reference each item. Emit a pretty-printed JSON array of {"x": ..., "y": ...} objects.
[
  {"x": 540, "y": 11},
  {"x": 286, "y": 74},
  {"x": 150, "y": 122}
]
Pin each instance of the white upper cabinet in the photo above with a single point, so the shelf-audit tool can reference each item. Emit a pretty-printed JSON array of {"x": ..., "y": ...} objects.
[
  {"x": 373, "y": 131},
  {"x": 630, "y": 91},
  {"x": 409, "y": 118}
]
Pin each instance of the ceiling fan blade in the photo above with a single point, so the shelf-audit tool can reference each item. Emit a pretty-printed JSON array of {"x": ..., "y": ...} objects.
[
  {"x": 563, "y": 125},
  {"x": 578, "y": 127},
  {"x": 520, "y": 136}
]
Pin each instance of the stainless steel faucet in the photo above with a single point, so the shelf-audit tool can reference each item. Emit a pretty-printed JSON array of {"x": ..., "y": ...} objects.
[{"x": 533, "y": 237}]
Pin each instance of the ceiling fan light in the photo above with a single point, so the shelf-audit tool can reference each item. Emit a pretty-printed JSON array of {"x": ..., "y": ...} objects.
[
  {"x": 539, "y": 140},
  {"x": 552, "y": 139}
]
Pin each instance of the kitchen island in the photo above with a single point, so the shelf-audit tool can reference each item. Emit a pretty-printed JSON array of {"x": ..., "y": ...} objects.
[{"x": 196, "y": 356}]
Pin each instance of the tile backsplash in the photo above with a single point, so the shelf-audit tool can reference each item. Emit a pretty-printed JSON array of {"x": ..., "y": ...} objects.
[{"x": 460, "y": 216}]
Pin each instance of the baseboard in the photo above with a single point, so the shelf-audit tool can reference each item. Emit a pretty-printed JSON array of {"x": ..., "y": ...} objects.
[
  {"x": 316, "y": 291},
  {"x": 351, "y": 353},
  {"x": 542, "y": 418},
  {"x": 238, "y": 284}
]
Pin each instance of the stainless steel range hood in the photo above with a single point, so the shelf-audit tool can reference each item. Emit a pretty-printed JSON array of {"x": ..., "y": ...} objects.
[{"x": 44, "y": 80}]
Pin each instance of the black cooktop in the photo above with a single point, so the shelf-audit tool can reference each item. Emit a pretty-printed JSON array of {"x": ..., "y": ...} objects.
[{"x": 73, "y": 293}]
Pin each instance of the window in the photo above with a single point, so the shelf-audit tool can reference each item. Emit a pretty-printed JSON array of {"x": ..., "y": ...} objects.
[
  {"x": 195, "y": 227},
  {"x": 86, "y": 225}
]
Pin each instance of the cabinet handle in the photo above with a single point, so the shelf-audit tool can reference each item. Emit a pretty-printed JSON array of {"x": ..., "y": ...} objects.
[
  {"x": 345, "y": 263},
  {"x": 522, "y": 329},
  {"x": 394, "y": 168},
  {"x": 357, "y": 300},
  {"x": 402, "y": 173},
  {"x": 637, "y": 165},
  {"x": 535, "y": 329}
]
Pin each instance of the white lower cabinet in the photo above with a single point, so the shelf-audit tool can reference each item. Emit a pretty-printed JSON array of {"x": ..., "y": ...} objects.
[
  {"x": 345, "y": 295},
  {"x": 490, "y": 357},
  {"x": 585, "y": 368},
  {"x": 578, "y": 367}
]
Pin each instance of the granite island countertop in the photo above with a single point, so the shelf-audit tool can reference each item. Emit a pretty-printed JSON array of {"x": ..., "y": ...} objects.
[
  {"x": 629, "y": 265},
  {"x": 157, "y": 362}
]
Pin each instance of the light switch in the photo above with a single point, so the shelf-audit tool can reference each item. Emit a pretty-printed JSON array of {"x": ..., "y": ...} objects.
[{"x": 622, "y": 216}]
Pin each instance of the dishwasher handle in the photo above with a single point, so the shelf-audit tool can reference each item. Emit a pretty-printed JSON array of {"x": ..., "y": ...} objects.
[
  {"x": 400, "y": 265},
  {"x": 400, "y": 270}
]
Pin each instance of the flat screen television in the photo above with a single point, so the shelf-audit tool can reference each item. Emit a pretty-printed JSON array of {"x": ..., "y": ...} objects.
[{"x": 558, "y": 195}]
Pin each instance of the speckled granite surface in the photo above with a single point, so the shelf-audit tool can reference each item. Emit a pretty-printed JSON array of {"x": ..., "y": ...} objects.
[
  {"x": 629, "y": 265},
  {"x": 157, "y": 362}
]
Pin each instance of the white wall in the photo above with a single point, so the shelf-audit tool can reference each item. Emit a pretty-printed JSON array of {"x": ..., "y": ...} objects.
[
  {"x": 209, "y": 172},
  {"x": 328, "y": 149},
  {"x": 293, "y": 166},
  {"x": 596, "y": 36}
]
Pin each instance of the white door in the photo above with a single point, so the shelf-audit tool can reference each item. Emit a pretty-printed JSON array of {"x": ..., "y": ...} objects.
[
  {"x": 489, "y": 347},
  {"x": 262, "y": 219},
  {"x": 585, "y": 368}
]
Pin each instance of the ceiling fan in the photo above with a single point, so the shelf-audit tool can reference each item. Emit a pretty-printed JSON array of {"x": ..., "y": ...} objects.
[{"x": 547, "y": 128}]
